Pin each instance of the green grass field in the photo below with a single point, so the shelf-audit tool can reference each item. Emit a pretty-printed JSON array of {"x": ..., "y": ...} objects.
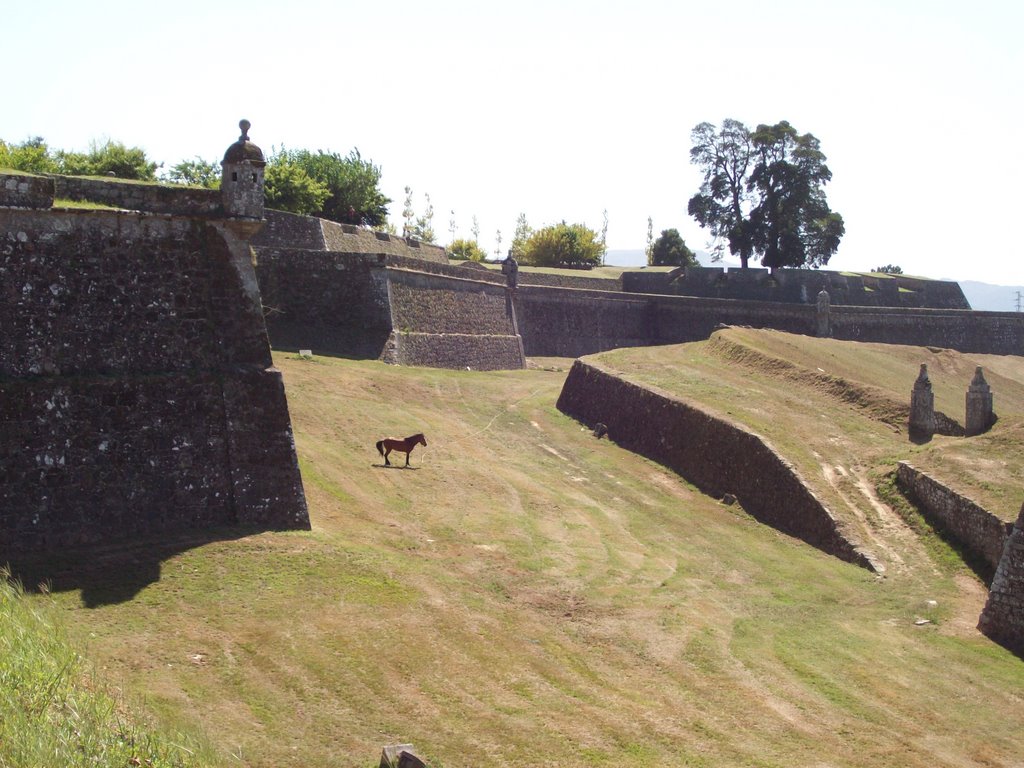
[{"x": 526, "y": 595}]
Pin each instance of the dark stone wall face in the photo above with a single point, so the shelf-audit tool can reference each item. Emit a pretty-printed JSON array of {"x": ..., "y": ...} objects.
[
  {"x": 1003, "y": 617},
  {"x": 575, "y": 323},
  {"x": 289, "y": 230},
  {"x": 331, "y": 303},
  {"x": 997, "y": 333},
  {"x": 134, "y": 391},
  {"x": 716, "y": 456},
  {"x": 444, "y": 322},
  {"x": 456, "y": 351},
  {"x": 93, "y": 459},
  {"x": 25, "y": 191},
  {"x": 435, "y": 304},
  {"x": 101, "y": 292},
  {"x": 800, "y": 286}
]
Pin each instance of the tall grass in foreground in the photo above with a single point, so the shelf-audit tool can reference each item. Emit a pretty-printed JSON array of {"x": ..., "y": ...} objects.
[{"x": 50, "y": 713}]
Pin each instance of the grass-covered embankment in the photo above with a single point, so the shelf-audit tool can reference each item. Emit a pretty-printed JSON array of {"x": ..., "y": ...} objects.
[
  {"x": 528, "y": 595},
  {"x": 51, "y": 712}
]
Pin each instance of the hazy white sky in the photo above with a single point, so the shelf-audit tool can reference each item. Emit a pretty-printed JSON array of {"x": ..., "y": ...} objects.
[{"x": 565, "y": 108}]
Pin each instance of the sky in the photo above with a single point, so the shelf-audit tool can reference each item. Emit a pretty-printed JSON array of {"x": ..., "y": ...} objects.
[{"x": 564, "y": 109}]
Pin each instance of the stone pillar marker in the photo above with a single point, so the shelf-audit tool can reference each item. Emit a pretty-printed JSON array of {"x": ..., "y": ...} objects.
[
  {"x": 979, "y": 405},
  {"x": 922, "y": 408},
  {"x": 824, "y": 321}
]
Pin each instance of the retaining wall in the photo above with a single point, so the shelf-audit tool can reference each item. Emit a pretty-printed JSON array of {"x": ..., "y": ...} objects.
[
  {"x": 446, "y": 322},
  {"x": 333, "y": 304},
  {"x": 980, "y": 532},
  {"x": 140, "y": 196},
  {"x": 289, "y": 230},
  {"x": 717, "y": 456},
  {"x": 135, "y": 390},
  {"x": 997, "y": 333},
  {"x": 572, "y": 323},
  {"x": 26, "y": 190}
]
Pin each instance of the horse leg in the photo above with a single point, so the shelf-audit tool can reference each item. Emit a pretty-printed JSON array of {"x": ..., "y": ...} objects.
[
  {"x": 387, "y": 451},
  {"x": 407, "y": 457}
]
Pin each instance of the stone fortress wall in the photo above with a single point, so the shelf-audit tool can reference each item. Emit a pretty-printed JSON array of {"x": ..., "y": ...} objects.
[
  {"x": 800, "y": 286},
  {"x": 170, "y": 281},
  {"x": 136, "y": 393}
]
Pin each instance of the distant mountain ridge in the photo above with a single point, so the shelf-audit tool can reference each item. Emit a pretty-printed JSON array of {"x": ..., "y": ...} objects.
[{"x": 992, "y": 298}]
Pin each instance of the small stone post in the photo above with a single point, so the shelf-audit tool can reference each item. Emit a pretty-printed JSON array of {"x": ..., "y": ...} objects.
[
  {"x": 979, "y": 405},
  {"x": 922, "y": 408},
  {"x": 824, "y": 321}
]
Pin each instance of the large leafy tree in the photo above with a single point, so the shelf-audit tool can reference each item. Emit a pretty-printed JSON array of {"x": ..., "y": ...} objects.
[
  {"x": 353, "y": 184},
  {"x": 792, "y": 225},
  {"x": 763, "y": 194},
  {"x": 289, "y": 188},
  {"x": 725, "y": 156},
  {"x": 670, "y": 250},
  {"x": 563, "y": 245}
]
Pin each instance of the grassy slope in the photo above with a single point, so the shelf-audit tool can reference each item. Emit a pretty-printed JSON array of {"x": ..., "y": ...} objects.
[
  {"x": 737, "y": 374},
  {"x": 528, "y": 595}
]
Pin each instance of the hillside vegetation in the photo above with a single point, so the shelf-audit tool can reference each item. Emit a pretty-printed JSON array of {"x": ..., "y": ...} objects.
[{"x": 529, "y": 595}]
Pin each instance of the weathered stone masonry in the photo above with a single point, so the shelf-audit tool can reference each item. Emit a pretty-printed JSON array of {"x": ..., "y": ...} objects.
[
  {"x": 136, "y": 395},
  {"x": 717, "y": 456},
  {"x": 387, "y": 307},
  {"x": 1003, "y": 616},
  {"x": 980, "y": 532}
]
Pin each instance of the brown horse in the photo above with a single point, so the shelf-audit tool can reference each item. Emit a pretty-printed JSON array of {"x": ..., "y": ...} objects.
[{"x": 389, "y": 444}]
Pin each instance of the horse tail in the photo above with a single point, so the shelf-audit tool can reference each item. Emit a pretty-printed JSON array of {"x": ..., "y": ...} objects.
[{"x": 380, "y": 447}]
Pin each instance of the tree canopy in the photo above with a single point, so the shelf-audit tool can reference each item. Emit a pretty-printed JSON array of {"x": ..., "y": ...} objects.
[
  {"x": 670, "y": 250},
  {"x": 103, "y": 159},
  {"x": 466, "y": 249},
  {"x": 287, "y": 187},
  {"x": 763, "y": 194},
  {"x": 563, "y": 245},
  {"x": 197, "y": 172},
  {"x": 111, "y": 158},
  {"x": 352, "y": 184}
]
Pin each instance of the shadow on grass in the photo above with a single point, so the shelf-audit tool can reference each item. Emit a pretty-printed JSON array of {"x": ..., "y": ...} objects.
[
  {"x": 109, "y": 574},
  {"x": 392, "y": 466}
]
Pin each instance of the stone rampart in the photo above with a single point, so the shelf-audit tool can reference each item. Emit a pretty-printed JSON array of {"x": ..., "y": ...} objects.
[
  {"x": 571, "y": 323},
  {"x": 25, "y": 190},
  {"x": 289, "y": 230},
  {"x": 800, "y": 286},
  {"x": 135, "y": 390},
  {"x": 978, "y": 531},
  {"x": 717, "y": 456},
  {"x": 1003, "y": 616},
  {"x": 140, "y": 196},
  {"x": 331, "y": 303},
  {"x": 998, "y": 333},
  {"x": 399, "y": 309},
  {"x": 446, "y": 322}
]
